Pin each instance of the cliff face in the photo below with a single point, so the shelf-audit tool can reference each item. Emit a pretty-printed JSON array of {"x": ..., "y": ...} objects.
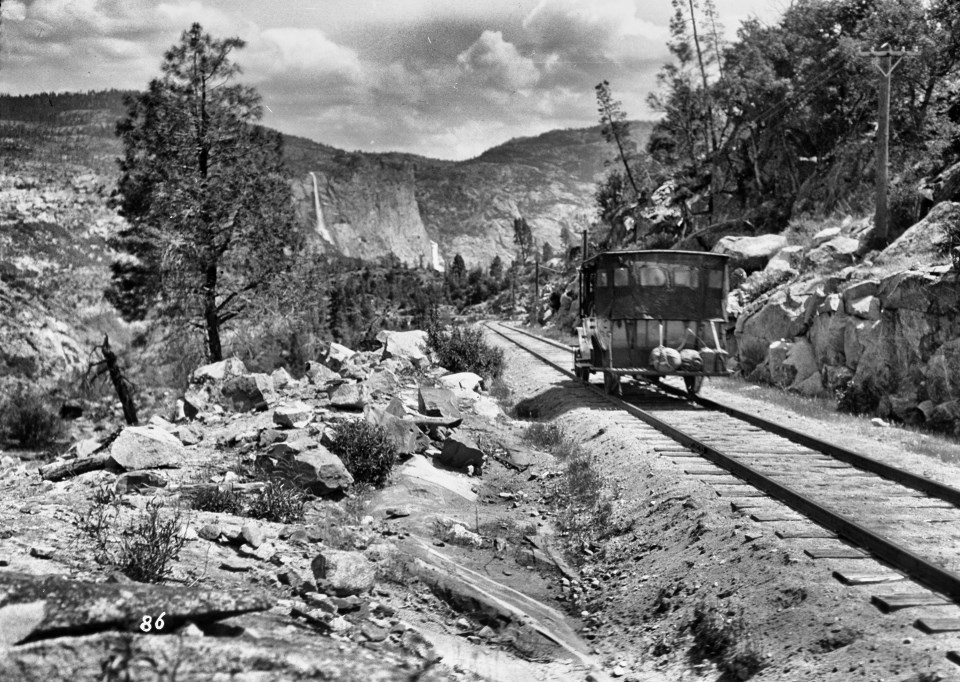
[
  {"x": 366, "y": 212},
  {"x": 374, "y": 204}
]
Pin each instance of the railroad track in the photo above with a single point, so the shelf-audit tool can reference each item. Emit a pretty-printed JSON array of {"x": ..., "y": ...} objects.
[{"x": 908, "y": 522}]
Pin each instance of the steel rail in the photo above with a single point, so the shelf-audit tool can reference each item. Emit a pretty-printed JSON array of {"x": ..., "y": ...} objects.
[
  {"x": 896, "y": 474},
  {"x": 901, "y": 558}
]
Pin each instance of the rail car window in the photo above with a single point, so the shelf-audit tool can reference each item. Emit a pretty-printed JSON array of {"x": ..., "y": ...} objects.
[
  {"x": 652, "y": 277},
  {"x": 715, "y": 279},
  {"x": 621, "y": 277},
  {"x": 602, "y": 279},
  {"x": 684, "y": 277}
]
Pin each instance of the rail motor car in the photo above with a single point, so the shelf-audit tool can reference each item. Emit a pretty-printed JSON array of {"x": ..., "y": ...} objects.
[{"x": 651, "y": 314}]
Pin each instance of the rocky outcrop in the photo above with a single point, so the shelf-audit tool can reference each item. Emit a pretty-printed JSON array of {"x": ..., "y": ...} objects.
[{"x": 889, "y": 343}]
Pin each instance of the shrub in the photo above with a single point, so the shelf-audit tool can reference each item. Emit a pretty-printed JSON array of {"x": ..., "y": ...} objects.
[
  {"x": 151, "y": 544},
  {"x": 220, "y": 500},
  {"x": 278, "y": 501},
  {"x": 752, "y": 355},
  {"x": 365, "y": 450},
  {"x": 145, "y": 548},
  {"x": 499, "y": 391},
  {"x": 551, "y": 438},
  {"x": 465, "y": 350},
  {"x": 856, "y": 398},
  {"x": 726, "y": 641},
  {"x": 27, "y": 418}
]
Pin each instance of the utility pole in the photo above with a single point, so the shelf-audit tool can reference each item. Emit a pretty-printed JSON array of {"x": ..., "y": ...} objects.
[
  {"x": 534, "y": 315},
  {"x": 885, "y": 65}
]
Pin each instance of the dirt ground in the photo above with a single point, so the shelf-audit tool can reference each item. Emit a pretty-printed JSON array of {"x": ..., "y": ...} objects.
[{"x": 687, "y": 587}]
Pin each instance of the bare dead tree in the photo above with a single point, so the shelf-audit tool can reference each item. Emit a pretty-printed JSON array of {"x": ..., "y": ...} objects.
[{"x": 108, "y": 365}]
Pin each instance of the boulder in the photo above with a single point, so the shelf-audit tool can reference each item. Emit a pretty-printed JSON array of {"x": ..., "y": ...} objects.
[
  {"x": 826, "y": 335},
  {"x": 946, "y": 415},
  {"x": 382, "y": 382},
  {"x": 488, "y": 408},
  {"x": 918, "y": 243},
  {"x": 803, "y": 360},
  {"x": 409, "y": 345},
  {"x": 145, "y": 447},
  {"x": 317, "y": 469},
  {"x": 779, "y": 318},
  {"x": 811, "y": 387},
  {"x": 825, "y": 235},
  {"x": 896, "y": 351},
  {"x": 248, "y": 392},
  {"x": 293, "y": 446},
  {"x": 198, "y": 398},
  {"x": 293, "y": 415},
  {"x": 866, "y": 308},
  {"x": 857, "y": 290},
  {"x": 404, "y": 434},
  {"x": 281, "y": 378},
  {"x": 834, "y": 254},
  {"x": 461, "y": 452},
  {"x": 787, "y": 259},
  {"x": 136, "y": 481},
  {"x": 338, "y": 356},
  {"x": 343, "y": 573},
  {"x": 912, "y": 290},
  {"x": 942, "y": 373},
  {"x": 439, "y": 402},
  {"x": 349, "y": 397},
  {"x": 778, "y": 372},
  {"x": 750, "y": 253},
  {"x": 466, "y": 381},
  {"x": 186, "y": 435},
  {"x": 319, "y": 374},
  {"x": 218, "y": 372},
  {"x": 856, "y": 336}
]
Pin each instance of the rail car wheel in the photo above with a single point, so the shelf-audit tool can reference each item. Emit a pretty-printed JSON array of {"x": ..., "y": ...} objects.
[
  {"x": 583, "y": 374},
  {"x": 693, "y": 384},
  {"x": 611, "y": 384}
]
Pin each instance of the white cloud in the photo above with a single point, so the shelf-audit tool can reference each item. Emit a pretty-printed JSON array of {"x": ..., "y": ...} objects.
[
  {"x": 296, "y": 52},
  {"x": 497, "y": 63},
  {"x": 12, "y": 10}
]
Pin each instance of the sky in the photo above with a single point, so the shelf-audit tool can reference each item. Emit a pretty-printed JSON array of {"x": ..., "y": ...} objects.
[{"x": 442, "y": 78}]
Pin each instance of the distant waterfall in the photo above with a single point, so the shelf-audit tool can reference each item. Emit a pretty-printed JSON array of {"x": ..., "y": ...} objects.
[{"x": 321, "y": 226}]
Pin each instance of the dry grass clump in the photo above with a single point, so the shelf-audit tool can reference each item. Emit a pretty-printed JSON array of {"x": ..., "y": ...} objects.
[
  {"x": 725, "y": 639},
  {"x": 145, "y": 547},
  {"x": 278, "y": 501}
]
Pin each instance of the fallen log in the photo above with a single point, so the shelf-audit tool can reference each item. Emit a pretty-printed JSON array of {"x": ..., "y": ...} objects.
[{"x": 74, "y": 467}]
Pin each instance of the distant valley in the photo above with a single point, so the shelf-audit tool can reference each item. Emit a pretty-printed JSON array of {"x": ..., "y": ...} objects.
[{"x": 369, "y": 204}]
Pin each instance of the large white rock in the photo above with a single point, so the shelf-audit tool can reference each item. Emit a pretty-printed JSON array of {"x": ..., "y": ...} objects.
[
  {"x": 338, "y": 355},
  {"x": 294, "y": 415},
  {"x": 343, "y": 573},
  {"x": 218, "y": 371},
  {"x": 467, "y": 381},
  {"x": 146, "y": 447},
  {"x": 750, "y": 253},
  {"x": 802, "y": 358},
  {"x": 410, "y": 345}
]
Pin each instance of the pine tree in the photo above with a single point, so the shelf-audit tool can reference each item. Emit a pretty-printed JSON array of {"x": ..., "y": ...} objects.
[{"x": 205, "y": 193}]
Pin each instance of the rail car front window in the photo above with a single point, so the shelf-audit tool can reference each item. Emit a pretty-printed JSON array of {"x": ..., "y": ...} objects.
[
  {"x": 602, "y": 279},
  {"x": 686, "y": 277},
  {"x": 651, "y": 277},
  {"x": 715, "y": 279},
  {"x": 621, "y": 277}
]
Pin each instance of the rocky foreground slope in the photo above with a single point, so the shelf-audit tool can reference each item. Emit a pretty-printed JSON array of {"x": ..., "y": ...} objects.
[{"x": 364, "y": 586}]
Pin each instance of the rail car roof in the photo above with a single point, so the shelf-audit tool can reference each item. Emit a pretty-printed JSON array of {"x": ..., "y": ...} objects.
[{"x": 604, "y": 255}]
